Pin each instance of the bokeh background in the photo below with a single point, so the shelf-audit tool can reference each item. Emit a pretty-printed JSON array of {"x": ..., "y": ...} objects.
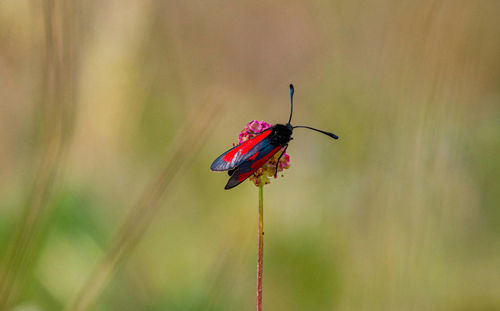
[{"x": 111, "y": 113}]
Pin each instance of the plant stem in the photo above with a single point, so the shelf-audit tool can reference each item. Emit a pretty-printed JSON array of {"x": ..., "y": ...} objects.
[{"x": 260, "y": 258}]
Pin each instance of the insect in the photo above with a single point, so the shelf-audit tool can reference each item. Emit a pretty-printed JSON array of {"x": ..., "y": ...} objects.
[{"x": 244, "y": 159}]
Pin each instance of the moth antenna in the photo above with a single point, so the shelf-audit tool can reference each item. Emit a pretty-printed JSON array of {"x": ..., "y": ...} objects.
[
  {"x": 291, "y": 102},
  {"x": 324, "y": 132}
]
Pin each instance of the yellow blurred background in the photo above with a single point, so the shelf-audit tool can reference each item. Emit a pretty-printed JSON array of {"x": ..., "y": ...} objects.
[{"x": 111, "y": 113}]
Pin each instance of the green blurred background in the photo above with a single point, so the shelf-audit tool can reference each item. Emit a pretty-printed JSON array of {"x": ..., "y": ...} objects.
[{"x": 402, "y": 213}]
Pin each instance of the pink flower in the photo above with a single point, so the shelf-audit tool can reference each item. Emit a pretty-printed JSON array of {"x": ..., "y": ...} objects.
[{"x": 261, "y": 176}]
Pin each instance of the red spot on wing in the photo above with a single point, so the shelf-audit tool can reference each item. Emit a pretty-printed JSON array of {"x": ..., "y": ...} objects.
[
  {"x": 245, "y": 146},
  {"x": 257, "y": 164},
  {"x": 254, "y": 156},
  {"x": 244, "y": 176}
]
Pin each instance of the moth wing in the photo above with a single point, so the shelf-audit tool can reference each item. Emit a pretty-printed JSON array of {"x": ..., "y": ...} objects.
[
  {"x": 240, "y": 153},
  {"x": 247, "y": 168}
]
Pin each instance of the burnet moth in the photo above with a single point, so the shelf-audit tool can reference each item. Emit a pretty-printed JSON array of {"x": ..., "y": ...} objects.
[{"x": 244, "y": 159}]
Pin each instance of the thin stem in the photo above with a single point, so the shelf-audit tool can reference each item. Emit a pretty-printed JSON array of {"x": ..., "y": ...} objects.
[{"x": 260, "y": 258}]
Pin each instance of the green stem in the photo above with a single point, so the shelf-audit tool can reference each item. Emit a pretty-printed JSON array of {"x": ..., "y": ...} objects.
[{"x": 260, "y": 256}]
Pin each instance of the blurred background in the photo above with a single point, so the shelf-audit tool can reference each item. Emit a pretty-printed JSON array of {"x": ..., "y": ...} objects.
[{"x": 111, "y": 113}]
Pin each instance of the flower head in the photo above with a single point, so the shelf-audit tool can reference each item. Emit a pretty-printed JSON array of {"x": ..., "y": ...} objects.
[{"x": 261, "y": 176}]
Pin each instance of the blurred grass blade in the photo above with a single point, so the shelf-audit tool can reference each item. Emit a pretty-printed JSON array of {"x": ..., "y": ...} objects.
[
  {"x": 53, "y": 127},
  {"x": 186, "y": 145}
]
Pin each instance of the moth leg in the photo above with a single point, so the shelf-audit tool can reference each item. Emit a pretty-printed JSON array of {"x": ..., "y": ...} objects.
[{"x": 278, "y": 162}]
